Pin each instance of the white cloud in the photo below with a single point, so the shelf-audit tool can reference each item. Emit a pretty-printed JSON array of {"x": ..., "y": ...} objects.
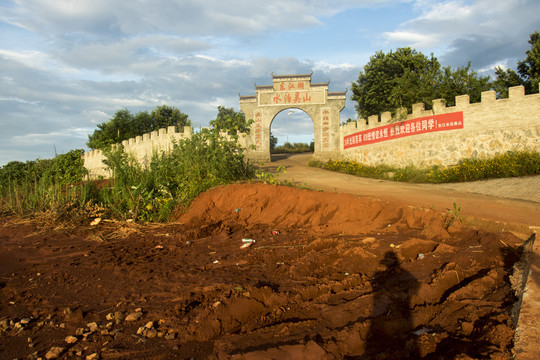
[
  {"x": 413, "y": 39},
  {"x": 482, "y": 31}
]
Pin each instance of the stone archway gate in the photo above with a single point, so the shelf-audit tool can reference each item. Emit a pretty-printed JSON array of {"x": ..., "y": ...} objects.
[{"x": 294, "y": 92}]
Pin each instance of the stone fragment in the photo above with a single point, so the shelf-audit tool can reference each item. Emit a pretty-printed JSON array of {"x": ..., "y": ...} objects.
[
  {"x": 369, "y": 240},
  {"x": 79, "y": 331},
  {"x": 25, "y": 321},
  {"x": 71, "y": 339},
  {"x": 94, "y": 356},
  {"x": 149, "y": 325},
  {"x": 141, "y": 330},
  {"x": 93, "y": 326},
  {"x": 151, "y": 333},
  {"x": 134, "y": 316},
  {"x": 119, "y": 317},
  {"x": 4, "y": 324},
  {"x": 110, "y": 316},
  {"x": 170, "y": 336},
  {"x": 54, "y": 352}
]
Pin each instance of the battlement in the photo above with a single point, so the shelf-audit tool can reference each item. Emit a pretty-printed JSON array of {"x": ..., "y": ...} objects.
[
  {"x": 141, "y": 147},
  {"x": 494, "y": 112},
  {"x": 446, "y": 134}
]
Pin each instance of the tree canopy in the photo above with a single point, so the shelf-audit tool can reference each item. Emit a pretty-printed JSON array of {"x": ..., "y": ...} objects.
[
  {"x": 528, "y": 69},
  {"x": 405, "y": 76},
  {"x": 125, "y": 125},
  {"x": 231, "y": 121}
]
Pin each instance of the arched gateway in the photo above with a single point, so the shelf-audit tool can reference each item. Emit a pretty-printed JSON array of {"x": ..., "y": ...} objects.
[{"x": 297, "y": 92}]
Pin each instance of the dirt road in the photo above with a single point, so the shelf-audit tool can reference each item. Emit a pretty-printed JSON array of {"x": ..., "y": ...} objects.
[{"x": 512, "y": 201}]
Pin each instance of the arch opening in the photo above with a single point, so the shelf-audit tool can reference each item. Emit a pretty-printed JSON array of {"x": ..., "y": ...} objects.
[
  {"x": 293, "y": 92},
  {"x": 292, "y": 128}
]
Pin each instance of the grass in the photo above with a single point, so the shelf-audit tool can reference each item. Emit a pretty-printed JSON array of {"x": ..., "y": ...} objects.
[
  {"x": 149, "y": 193},
  {"x": 511, "y": 164}
]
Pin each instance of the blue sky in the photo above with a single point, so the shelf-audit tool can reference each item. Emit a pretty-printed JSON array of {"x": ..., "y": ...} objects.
[{"x": 68, "y": 65}]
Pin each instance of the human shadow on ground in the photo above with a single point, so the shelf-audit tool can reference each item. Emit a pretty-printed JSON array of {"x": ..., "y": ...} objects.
[{"x": 390, "y": 334}]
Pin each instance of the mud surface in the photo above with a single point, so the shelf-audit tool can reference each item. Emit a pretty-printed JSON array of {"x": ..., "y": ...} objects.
[{"x": 329, "y": 276}]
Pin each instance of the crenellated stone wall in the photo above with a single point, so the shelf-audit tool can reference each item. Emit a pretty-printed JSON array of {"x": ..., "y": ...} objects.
[
  {"x": 441, "y": 136},
  {"x": 487, "y": 128},
  {"x": 141, "y": 148}
]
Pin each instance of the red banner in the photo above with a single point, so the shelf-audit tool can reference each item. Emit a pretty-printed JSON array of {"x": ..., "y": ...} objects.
[{"x": 443, "y": 122}]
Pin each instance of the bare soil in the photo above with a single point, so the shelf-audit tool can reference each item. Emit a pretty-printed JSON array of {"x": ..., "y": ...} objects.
[{"x": 329, "y": 276}]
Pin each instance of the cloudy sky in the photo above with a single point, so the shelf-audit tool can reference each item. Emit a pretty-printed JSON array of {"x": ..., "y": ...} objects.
[{"x": 68, "y": 65}]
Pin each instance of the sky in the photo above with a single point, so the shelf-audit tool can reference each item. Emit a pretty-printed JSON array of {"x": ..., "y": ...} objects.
[{"x": 68, "y": 65}]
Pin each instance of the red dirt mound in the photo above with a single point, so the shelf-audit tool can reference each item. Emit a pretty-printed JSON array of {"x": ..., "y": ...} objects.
[{"x": 328, "y": 276}]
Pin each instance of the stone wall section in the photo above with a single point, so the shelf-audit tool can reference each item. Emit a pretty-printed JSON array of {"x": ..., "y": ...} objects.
[
  {"x": 141, "y": 148},
  {"x": 491, "y": 127}
]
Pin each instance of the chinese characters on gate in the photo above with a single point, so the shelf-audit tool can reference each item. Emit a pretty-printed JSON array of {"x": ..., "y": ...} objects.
[
  {"x": 325, "y": 128},
  {"x": 422, "y": 125},
  {"x": 291, "y": 93},
  {"x": 258, "y": 130}
]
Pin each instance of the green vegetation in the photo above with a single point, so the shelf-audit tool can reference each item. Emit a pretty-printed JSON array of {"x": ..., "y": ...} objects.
[
  {"x": 149, "y": 193},
  {"x": 401, "y": 78},
  {"x": 288, "y": 148},
  {"x": 528, "y": 69},
  {"x": 404, "y": 77},
  {"x": 230, "y": 121},
  {"x": 124, "y": 125},
  {"x": 510, "y": 164},
  {"x": 44, "y": 185}
]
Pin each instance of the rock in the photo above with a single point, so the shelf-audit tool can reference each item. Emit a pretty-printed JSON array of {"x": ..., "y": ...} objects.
[
  {"x": 94, "y": 356},
  {"x": 368, "y": 240},
  {"x": 93, "y": 326},
  {"x": 54, "y": 352},
  {"x": 151, "y": 333},
  {"x": 67, "y": 311},
  {"x": 79, "y": 331},
  {"x": 62, "y": 326},
  {"x": 119, "y": 317},
  {"x": 71, "y": 339},
  {"x": 149, "y": 325},
  {"x": 4, "y": 324},
  {"x": 141, "y": 330},
  {"x": 95, "y": 222},
  {"x": 170, "y": 336},
  {"x": 110, "y": 316},
  {"x": 25, "y": 321},
  {"x": 134, "y": 316}
]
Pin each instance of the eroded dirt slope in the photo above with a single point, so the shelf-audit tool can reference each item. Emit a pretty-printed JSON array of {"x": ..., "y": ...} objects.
[{"x": 328, "y": 276}]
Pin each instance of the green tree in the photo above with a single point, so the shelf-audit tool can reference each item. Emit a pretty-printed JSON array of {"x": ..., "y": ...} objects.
[
  {"x": 529, "y": 69},
  {"x": 230, "y": 121},
  {"x": 461, "y": 81},
  {"x": 404, "y": 77},
  {"x": 505, "y": 79},
  {"x": 124, "y": 125},
  {"x": 273, "y": 142},
  {"x": 394, "y": 80}
]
